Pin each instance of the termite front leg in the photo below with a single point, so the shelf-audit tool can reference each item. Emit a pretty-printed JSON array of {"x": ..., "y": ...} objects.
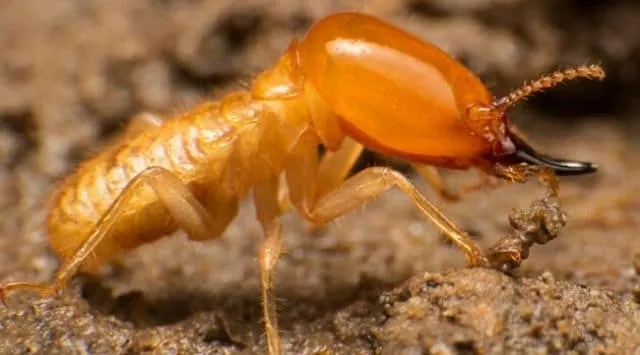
[
  {"x": 371, "y": 182},
  {"x": 302, "y": 179},
  {"x": 268, "y": 210},
  {"x": 520, "y": 173},
  {"x": 432, "y": 176},
  {"x": 353, "y": 192},
  {"x": 435, "y": 180},
  {"x": 182, "y": 205}
]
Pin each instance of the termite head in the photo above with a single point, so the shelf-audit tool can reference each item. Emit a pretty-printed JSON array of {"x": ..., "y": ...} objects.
[
  {"x": 508, "y": 145},
  {"x": 399, "y": 95}
]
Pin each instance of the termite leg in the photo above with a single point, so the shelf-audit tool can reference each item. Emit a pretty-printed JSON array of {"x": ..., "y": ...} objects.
[
  {"x": 333, "y": 169},
  {"x": 370, "y": 183},
  {"x": 283, "y": 198},
  {"x": 484, "y": 180},
  {"x": 268, "y": 210},
  {"x": 302, "y": 174},
  {"x": 182, "y": 205},
  {"x": 435, "y": 180},
  {"x": 520, "y": 173},
  {"x": 353, "y": 192},
  {"x": 335, "y": 166}
]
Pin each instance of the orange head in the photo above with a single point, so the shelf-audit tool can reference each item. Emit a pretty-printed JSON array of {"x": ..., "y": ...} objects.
[{"x": 400, "y": 95}]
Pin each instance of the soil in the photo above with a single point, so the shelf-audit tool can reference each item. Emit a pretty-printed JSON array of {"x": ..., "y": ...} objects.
[{"x": 377, "y": 281}]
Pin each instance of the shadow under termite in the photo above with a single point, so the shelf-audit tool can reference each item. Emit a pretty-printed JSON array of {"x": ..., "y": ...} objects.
[{"x": 238, "y": 317}]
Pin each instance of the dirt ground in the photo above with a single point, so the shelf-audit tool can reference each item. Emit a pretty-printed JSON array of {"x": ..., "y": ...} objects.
[{"x": 378, "y": 281}]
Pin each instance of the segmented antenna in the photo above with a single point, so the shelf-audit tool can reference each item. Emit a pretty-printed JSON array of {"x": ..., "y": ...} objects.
[{"x": 594, "y": 72}]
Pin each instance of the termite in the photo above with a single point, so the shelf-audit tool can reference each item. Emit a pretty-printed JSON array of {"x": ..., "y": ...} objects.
[{"x": 352, "y": 82}]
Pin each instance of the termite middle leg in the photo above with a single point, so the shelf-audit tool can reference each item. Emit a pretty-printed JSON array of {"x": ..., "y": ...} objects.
[{"x": 182, "y": 205}]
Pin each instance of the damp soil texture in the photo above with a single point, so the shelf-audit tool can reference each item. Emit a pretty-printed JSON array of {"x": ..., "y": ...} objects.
[{"x": 379, "y": 281}]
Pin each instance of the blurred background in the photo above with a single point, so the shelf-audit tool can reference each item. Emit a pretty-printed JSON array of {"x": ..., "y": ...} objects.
[{"x": 73, "y": 72}]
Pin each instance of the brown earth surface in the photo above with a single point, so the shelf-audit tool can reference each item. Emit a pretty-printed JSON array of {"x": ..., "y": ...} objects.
[{"x": 378, "y": 281}]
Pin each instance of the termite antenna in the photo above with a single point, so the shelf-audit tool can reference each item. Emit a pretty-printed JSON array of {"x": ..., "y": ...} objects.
[{"x": 593, "y": 72}]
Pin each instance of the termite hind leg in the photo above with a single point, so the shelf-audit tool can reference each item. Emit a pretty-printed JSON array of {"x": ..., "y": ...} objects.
[
  {"x": 182, "y": 205},
  {"x": 373, "y": 181},
  {"x": 268, "y": 210}
]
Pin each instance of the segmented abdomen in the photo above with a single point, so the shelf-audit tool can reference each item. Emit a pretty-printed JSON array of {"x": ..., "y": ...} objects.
[{"x": 207, "y": 148}]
